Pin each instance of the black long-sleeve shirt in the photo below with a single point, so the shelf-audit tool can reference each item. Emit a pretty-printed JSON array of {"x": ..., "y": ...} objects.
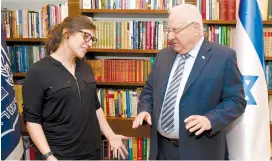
[{"x": 65, "y": 106}]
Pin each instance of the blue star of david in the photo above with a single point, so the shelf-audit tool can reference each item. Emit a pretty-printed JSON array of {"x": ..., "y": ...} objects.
[{"x": 248, "y": 82}]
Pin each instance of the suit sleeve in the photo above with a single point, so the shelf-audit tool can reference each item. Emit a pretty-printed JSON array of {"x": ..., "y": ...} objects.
[
  {"x": 146, "y": 96},
  {"x": 233, "y": 98}
]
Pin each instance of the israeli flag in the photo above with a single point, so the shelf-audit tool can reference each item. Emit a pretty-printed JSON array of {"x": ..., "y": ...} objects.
[
  {"x": 11, "y": 142},
  {"x": 248, "y": 138}
]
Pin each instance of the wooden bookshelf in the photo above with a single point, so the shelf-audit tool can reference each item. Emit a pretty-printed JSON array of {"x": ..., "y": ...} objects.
[
  {"x": 124, "y": 126},
  {"x": 267, "y": 22},
  {"x": 268, "y": 58},
  {"x": 37, "y": 40},
  {"x": 19, "y": 74},
  {"x": 155, "y": 11},
  {"x": 230, "y": 22},
  {"x": 137, "y": 84},
  {"x": 120, "y": 125},
  {"x": 125, "y": 51},
  {"x": 124, "y": 11},
  {"x": 132, "y": 84}
]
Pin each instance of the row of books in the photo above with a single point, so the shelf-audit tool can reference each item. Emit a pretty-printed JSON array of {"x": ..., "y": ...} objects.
[
  {"x": 151, "y": 35},
  {"x": 114, "y": 102},
  {"x": 121, "y": 70},
  {"x": 23, "y": 56},
  {"x": 138, "y": 149},
  {"x": 225, "y": 35},
  {"x": 119, "y": 102},
  {"x": 129, "y": 4},
  {"x": 131, "y": 35},
  {"x": 117, "y": 70},
  {"x": 268, "y": 41},
  {"x": 218, "y": 9},
  {"x": 210, "y": 9},
  {"x": 32, "y": 24}
]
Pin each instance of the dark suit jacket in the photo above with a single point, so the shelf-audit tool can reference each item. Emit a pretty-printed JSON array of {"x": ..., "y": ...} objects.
[{"x": 214, "y": 89}]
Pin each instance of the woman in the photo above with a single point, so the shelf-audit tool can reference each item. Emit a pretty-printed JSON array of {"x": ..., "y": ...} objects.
[{"x": 61, "y": 108}]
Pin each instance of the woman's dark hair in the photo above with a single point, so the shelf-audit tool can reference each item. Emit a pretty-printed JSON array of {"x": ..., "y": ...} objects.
[{"x": 71, "y": 24}]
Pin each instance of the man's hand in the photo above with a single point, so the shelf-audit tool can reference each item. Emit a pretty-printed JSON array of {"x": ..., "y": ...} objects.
[
  {"x": 197, "y": 122},
  {"x": 139, "y": 119}
]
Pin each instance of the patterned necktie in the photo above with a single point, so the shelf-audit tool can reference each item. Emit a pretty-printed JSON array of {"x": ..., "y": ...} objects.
[{"x": 167, "y": 118}]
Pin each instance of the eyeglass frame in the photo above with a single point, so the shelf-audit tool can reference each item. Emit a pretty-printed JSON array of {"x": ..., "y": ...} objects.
[
  {"x": 176, "y": 31},
  {"x": 94, "y": 39}
]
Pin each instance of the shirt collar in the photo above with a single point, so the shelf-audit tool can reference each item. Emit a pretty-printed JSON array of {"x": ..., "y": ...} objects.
[{"x": 193, "y": 53}]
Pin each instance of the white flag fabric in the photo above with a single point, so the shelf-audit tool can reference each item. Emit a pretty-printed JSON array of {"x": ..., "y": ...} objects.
[{"x": 248, "y": 138}]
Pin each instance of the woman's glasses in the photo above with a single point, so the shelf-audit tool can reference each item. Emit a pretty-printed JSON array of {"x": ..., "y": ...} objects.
[{"x": 88, "y": 37}]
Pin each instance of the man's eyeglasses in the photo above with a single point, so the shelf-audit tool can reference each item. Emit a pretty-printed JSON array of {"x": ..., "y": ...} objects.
[
  {"x": 88, "y": 37},
  {"x": 176, "y": 31}
]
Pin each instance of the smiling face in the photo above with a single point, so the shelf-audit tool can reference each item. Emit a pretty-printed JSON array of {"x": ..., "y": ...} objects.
[
  {"x": 182, "y": 35},
  {"x": 80, "y": 41},
  {"x": 73, "y": 36}
]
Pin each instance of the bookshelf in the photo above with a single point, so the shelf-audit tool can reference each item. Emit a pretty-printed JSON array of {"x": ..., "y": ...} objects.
[
  {"x": 114, "y": 122},
  {"x": 268, "y": 58},
  {"x": 37, "y": 40},
  {"x": 142, "y": 51},
  {"x": 124, "y": 11},
  {"x": 131, "y": 84},
  {"x": 18, "y": 74},
  {"x": 146, "y": 11},
  {"x": 121, "y": 125}
]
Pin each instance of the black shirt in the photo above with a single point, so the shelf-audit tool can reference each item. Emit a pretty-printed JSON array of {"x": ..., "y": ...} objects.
[{"x": 64, "y": 106}]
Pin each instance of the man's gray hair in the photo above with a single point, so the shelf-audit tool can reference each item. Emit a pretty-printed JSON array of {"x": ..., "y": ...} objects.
[{"x": 188, "y": 13}]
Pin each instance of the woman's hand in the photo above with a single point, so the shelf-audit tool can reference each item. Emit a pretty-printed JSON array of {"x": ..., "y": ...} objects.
[
  {"x": 52, "y": 158},
  {"x": 116, "y": 144}
]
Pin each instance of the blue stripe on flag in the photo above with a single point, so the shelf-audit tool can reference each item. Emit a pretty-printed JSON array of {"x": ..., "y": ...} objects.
[{"x": 253, "y": 26}]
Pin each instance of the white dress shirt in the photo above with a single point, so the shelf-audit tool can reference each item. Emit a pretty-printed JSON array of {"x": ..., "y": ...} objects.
[{"x": 186, "y": 72}]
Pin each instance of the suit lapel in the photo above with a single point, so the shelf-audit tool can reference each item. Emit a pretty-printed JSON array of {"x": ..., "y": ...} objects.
[
  {"x": 166, "y": 70},
  {"x": 202, "y": 58}
]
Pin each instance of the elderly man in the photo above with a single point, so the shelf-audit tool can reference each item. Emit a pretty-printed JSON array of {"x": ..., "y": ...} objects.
[{"x": 193, "y": 92}]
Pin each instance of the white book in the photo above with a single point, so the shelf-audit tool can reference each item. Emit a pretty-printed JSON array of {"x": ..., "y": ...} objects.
[
  {"x": 207, "y": 9},
  {"x": 86, "y": 4},
  {"x": 40, "y": 24},
  {"x": 134, "y": 103},
  {"x": 270, "y": 106}
]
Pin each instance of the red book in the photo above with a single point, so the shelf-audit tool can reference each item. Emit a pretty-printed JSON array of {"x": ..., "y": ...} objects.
[
  {"x": 32, "y": 153},
  {"x": 152, "y": 34},
  {"x": 203, "y": 7},
  {"x": 114, "y": 70},
  {"x": 139, "y": 148},
  {"x": 213, "y": 33},
  {"x": 231, "y": 9},
  {"x": 147, "y": 40},
  {"x": 223, "y": 9}
]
